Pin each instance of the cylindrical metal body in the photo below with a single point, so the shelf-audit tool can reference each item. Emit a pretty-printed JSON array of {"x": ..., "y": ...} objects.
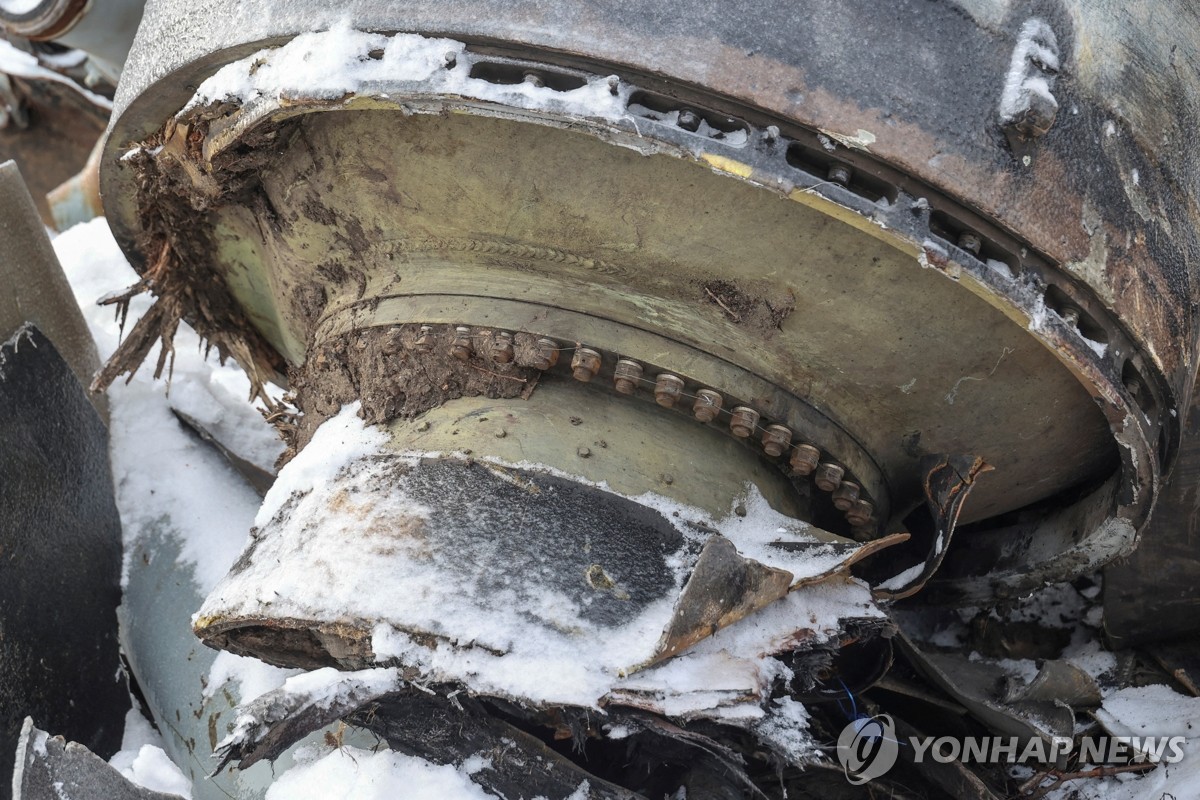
[{"x": 902, "y": 232}]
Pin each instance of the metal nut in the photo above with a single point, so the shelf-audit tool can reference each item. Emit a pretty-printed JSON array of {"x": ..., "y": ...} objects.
[
  {"x": 585, "y": 364},
  {"x": 424, "y": 341},
  {"x": 805, "y": 458},
  {"x": 860, "y": 513},
  {"x": 707, "y": 405},
  {"x": 1070, "y": 315},
  {"x": 845, "y": 495},
  {"x": 502, "y": 348},
  {"x": 547, "y": 354},
  {"x": 970, "y": 241},
  {"x": 743, "y": 421},
  {"x": 840, "y": 174},
  {"x": 461, "y": 348},
  {"x": 776, "y": 439},
  {"x": 668, "y": 389},
  {"x": 626, "y": 375},
  {"x": 688, "y": 120},
  {"x": 828, "y": 477}
]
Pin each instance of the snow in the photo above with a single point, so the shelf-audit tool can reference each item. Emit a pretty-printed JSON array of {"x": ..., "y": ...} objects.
[
  {"x": 332, "y": 64},
  {"x": 786, "y": 727},
  {"x": 1036, "y": 47},
  {"x": 253, "y": 677},
  {"x": 212, "y": 506},
  {"x": 904, "y": 579},
  {"x": 333, "y": 530},
  {"x": 320, "y": 689},
  {"x": 20, "y": 64},
  {"x": 1146, "y": 711},
  {"x": 350, "y": 773},
  {"x": 162, "y": 472},
  {"x": 159, "y": 468},
  {"x": 142, "y": 759}
]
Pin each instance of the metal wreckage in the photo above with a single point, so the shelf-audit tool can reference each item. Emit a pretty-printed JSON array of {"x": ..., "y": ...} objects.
[{"x": 702, "y": 352}]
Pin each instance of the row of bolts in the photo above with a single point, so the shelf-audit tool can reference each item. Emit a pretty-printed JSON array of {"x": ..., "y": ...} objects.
[{"x": 707, "y": 404}]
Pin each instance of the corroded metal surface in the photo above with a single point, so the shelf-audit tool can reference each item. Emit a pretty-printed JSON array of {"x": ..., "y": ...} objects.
[
  {"x": 1079, "y": 204},
  {"x": 990, "y": 143},
  {"x": 61, "y": 542}
]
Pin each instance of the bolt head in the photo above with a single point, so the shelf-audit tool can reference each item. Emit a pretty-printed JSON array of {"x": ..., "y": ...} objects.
[
  {"x": 845, "y": 495},
  {"x": 547, "y": 354},
  {"x": 828, "y": 476},
  {"x": 667, "y": 390},
  {"x": 840, "y": 174},
  {"x": 970, "y": 242},
  {"x": 627, "y": 375},
  {"x": 776, "y": 439},
  {"x": 743, "y": 421},
  {"x": 502, "y": 348},
  {"x": 688, "y": 120},
  {"x": 707, "y": 405},
  {"x": 860, "y": 512},
  {"x": 585, "y": 364},
  {"x": 804, "y": 459}
]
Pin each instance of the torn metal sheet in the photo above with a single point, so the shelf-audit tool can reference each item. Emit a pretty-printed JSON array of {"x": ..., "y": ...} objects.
[
  {"x": 1056, "y": 682},
  {"x": 953, "y": 777},
  {"x": 33, "y": 287},
  {"x": 419, "y": 722},
  {"x": 60, "y": 538},
  {"x": 270, "y": 724},
  {"x": 51, "y": 768},
  {"x": 492, "y": 574},
  {"x": 1181, "y": 659},
  {"x": 724, "y": 586},
  {"x": 980, "y": 686},
  {"x": 450, "y": 731},
  {"x": 948, "y": 480},
  {"x": 786, "y": 647},
  {"x": 259, "y": 478}
]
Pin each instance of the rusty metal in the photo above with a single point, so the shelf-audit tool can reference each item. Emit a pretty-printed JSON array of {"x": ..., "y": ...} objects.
[
  {"x": 805, "y": 459},
  {"x": 1050, "y": 247},
  {"x": 707, "y": 405},
  {"x": 668, "y": 389},
  {"x": 845, "y": 496},
  {"x": 424, "y": 342},
  {"x": 860, "y": 512},
  {"x": 585, "y": 363},
  {"x": 462, "y": 347},
  {"x": 547, "y": 354},
  {"x": 828, "y": 477},
  {"x": 502, "y": 348},
  {"x": 627, "y": 375},
  {"x": 776, "y": 439},
  {"x": 743, "y": 421},
  {"x": 46, "y": 20}
]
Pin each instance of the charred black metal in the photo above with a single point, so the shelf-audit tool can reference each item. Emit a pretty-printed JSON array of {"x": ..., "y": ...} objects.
[{"x": 60, "y": 536}]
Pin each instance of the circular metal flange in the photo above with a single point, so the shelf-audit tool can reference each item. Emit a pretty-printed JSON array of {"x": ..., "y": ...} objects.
[
  {"x": 41, "y": 20},
  {"x": 1060, "y": 313}
]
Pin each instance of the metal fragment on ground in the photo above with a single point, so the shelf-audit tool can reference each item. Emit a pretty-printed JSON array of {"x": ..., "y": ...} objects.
[
  {"x": 60, "y": 536},
  {"x": 51, "y": 768}
]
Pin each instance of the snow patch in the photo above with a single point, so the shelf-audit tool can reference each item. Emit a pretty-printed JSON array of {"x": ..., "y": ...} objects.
[
  {"x": 143, "y": 761},
  {"x": 1036, "y": 50},
  {"x": 336, "y": 63},
  {"x": 161, "y": 470},
  {"x": 350, "y": 773}
]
